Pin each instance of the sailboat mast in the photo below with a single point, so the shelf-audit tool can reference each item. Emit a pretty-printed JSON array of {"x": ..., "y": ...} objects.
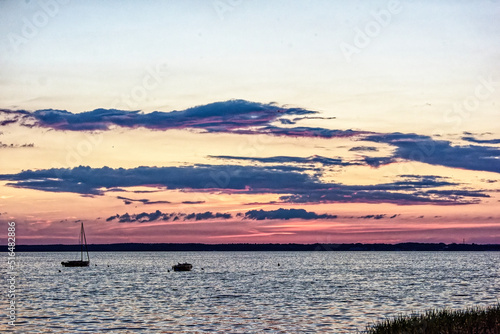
[
  {"x": 81, "y": 243},
  {"x": 84, "y": 240}
]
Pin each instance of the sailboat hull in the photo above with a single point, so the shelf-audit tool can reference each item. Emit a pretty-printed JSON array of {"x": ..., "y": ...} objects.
[{"x": 75, "y": 263}]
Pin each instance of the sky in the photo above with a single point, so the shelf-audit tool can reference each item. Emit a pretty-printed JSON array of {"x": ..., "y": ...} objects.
[{"x": 236, "y": 121}]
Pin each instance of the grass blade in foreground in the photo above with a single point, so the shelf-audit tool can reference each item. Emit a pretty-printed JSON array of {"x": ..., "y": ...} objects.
[{"x": 473, "y": 320}]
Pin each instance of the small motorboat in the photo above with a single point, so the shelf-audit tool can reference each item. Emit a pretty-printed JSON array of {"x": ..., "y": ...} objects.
[{"x": 182, "y": 266}]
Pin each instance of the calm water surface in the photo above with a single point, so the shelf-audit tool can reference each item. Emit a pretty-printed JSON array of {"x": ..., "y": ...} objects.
[{"x": 244, "y": 292}]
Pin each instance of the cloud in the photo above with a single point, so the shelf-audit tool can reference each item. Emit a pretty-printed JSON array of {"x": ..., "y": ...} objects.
[
  {"x": 409, "y": 181},
  {"x": 286, "y": 214},
  {"x": 378, "y": 161},
  {"x": 86, "y": 180},
  {"x": 279, "y": 214},
  {"x": 293, "y": 184},
  {"x": 207, "y": 215},
  {"x": 312, "y": 117},
  {"x": 13, "y": 116},
  {"x": 424, "y": 149},
  {"x": 286, "y": 121},
  {"x": 458, "y": 193},
  {"x": 302, "y": 131},
  {"x": 363, "y": 149},
  {"x": 288, "y": 159},
  {"x": 373, "y": 216},
  {"x": 340, "y": 195},
  {"x": 158, "y": 215},
  {"x": 244, "y": 117},
  {"x": 233, "y": 116},
  {"x": 145, "y": 191},
  {"x": 193, "y": 202},
  {"x": 296, "y": 119},
  {"x": 7, "y": 122},
  {"x": 481, "y": 141},
  {"x": 408, "y": 190},
  {"x": 143, "y": 201},
  {"x": 3, "y": 145},
  {"x": 217, "y": 117}
]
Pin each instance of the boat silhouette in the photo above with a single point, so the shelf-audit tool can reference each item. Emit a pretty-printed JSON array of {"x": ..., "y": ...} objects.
[
  {"x": 182, "y": 266},
  {"x": 81, "y": 262}
]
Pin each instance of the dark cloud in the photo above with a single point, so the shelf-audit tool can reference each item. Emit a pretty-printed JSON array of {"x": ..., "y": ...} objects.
[
  {"x": 244, "y": 117},
  {"x": 3, "y": 145},
  {"x": 481, "y": 141},
  {"x": 158, "y": 215},
  {"x": 283, "y": 214},
  {"x": 207, "y": 215},
  {"x": 340, "y": 195},
  {"x": 287, "y": 159},
  {"x": 372, "y": 217},
  {"x": 286, "y": 214},
  {"x": 408, "y": 190},
  {"x": 193, "y": 202},
  {"x": 296, "y": 119},
  {"x": 218, "y": 117},
  {"x": 86, "y": 180},
  {"x": 112, "y": 218},
  {"x": 119, "y": 190},
  {"x": 7, "y": 122},
  {"x": 143, "y": 201},
  {"x": 378, "y": 161},
  {"x": 149, "y": 216},
  {"x": 13, "y": 116},
  {"x": 15, "y": 113},
  {"x": 279, "y": 214},
  {"x": 409, "y": 181},
  {"x": 234, "y": 116},
  {"x": 363, "y": 149},
  {"x": 292, "y": 183},
  {"x": 302, "y": 131},
  {"x": 145, "y": 191},
  {"x": 287, "y": 121},
  {"x": 458, "y": 193},
  {"x": 440, "y": 152}
]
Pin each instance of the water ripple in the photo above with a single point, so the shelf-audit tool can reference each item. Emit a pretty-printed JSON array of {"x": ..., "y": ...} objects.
[{"x": 310, "y": 292}]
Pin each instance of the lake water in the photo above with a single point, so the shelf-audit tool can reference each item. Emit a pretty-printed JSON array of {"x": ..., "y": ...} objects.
[{"x": 244, "y": 292}]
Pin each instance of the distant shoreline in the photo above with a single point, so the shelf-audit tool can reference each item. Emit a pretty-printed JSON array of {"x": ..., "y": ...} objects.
[{"x": 198, "y": 247}]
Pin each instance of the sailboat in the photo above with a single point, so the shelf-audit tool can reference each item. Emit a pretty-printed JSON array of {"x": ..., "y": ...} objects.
[{"x": 81, "y": 262}]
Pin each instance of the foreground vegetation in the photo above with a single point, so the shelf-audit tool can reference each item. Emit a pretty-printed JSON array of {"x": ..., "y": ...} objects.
[{"x": 470, "y": 321}]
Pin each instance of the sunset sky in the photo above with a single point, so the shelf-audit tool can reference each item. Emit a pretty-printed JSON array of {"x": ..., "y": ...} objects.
[{"x": 250, "y": 121}]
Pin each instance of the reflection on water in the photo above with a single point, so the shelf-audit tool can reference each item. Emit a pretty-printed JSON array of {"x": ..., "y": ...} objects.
[{"x": 245, "y": 292}]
